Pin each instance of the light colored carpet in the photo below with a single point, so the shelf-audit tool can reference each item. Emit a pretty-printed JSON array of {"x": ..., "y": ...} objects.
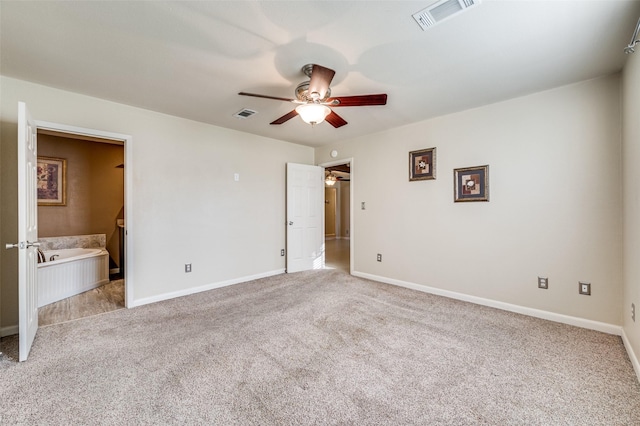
[{"x": 319, "y": 347}]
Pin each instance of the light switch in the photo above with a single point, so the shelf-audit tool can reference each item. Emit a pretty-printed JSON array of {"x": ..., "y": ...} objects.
[{"x": 236, "y": 177}]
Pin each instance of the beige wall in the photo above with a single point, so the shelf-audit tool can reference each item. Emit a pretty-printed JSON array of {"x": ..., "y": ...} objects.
[
  {"x": 631, "y": 212},
  {"x": 95, "y": 190},
  {"x": 330, "y": 210},
  {"x": 555, "y": 188},
  {"x": 345, "y": 210},
  {"x": 186, "y": 206}
]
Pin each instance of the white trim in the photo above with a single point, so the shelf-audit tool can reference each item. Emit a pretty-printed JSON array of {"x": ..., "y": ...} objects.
[
  {"x": 352, "y": 246},
  {"x": 206, "y": 287},
  {"x": 532, "y": 312},
  {"x": 114, "y": 271},
  {"x": 632, "y": 355},
  {"x": 9, "y": 330},
  {"x": 128, "y": 191}
]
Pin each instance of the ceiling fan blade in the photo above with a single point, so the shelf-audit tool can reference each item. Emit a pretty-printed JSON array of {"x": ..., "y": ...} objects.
[
  {"x": 266, "y": 97},
  {"x": 288, "y": 116},
  {"x": 358, "y": 100},
  {"x": 320, "y": 80},
  {"x": 335, "y": 120}
]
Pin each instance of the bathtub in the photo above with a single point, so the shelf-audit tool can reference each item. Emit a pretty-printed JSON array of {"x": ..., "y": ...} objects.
[{"x": 72, "y": 271}]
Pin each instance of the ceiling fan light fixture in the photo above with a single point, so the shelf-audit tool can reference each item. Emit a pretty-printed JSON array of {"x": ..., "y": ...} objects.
[
  {"x": 331, "y": 179},
  {"x": 313, "y": 113}
]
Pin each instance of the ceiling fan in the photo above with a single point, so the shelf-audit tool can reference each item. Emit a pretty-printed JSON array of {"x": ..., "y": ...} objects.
[{"x": 314, "y": 99}]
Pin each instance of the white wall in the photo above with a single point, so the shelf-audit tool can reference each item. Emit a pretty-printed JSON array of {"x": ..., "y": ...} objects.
[
  {"x": 631, "y": 176},
  {"x": 187, "y": 207},
  {"x": 555, "y": 188}
]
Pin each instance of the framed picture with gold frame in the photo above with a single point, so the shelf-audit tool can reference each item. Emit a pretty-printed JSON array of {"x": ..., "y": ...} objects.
[
  {"x": 471, "y": 184},
  {"x": 52, "y": 181},
  {"x": 422, "y": 164}
]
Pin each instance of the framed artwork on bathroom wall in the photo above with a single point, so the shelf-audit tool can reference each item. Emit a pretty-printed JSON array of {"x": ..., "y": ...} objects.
[
  {"x": 422, "y": 164},
  {"x": 471, "y": 184},
  {"x": 52, "y": 181}
]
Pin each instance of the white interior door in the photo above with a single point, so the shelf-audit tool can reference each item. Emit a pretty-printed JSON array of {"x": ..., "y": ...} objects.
[
  {"x": 305, "y": 217},
  {"x": 27, "y": 230}
]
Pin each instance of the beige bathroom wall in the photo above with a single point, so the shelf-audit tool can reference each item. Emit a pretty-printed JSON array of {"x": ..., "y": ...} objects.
[
  {"x": 95, "y": 190},
  {"x": 554, "y": 211}
]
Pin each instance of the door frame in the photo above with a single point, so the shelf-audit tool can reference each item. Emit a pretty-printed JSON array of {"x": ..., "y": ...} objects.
[
  {"x": 352, "y": 234},
  {"x": 127, "y": 140}
]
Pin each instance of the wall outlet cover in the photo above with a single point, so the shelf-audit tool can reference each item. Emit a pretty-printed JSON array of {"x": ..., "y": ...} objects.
[
  {"x": 543, "y": 283},
  {"x": 584, "y": 288}
]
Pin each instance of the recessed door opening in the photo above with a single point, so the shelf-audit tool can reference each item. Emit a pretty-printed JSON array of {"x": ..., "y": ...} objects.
[
  {"x": 87, "y": 215},
  {"x": 337, "y": 201}
]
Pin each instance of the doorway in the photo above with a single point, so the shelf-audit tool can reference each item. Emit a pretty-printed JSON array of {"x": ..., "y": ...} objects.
[
  {"x": 338, "y": 208},
  {"x": 88, "y": 218},
  {"x": 125, "y": 226}
]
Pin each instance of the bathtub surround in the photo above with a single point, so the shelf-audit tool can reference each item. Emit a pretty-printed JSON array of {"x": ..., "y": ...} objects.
[
  {"x": 73, "y": 241},
  {"x": 314, "y": 348},
  {"x": 72, "y": 271}
]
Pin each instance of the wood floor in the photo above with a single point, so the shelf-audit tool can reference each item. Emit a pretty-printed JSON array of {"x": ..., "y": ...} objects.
[
  {"x": 337, "y": 254},
  {"x": 106, "y": 298}
]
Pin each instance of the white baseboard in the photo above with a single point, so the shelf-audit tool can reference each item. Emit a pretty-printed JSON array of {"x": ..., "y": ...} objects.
[
  {"x": 188, "y": 291},
  {"x": 537, "y": 313},
  {"x": 631, "y": 353},
  {"x": 114, "y": 271},
  {"x": 9, "y": 330}
]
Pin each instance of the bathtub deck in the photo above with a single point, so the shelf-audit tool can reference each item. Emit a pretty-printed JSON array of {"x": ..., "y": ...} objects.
[{"x": 106, "y": 298}]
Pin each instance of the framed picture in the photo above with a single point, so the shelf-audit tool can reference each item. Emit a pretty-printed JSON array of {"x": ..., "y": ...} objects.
[
  {"x": 422, "y": 164},
  {"x": 471, "y": 184},
  {"x": 52, "y": 181}
]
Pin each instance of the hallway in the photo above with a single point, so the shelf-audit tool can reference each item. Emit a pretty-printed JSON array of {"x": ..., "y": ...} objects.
[{"x": 337, "y": 254}]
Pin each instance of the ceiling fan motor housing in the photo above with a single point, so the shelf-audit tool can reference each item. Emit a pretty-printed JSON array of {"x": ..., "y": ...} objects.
[{"x": 302, "y": 93}]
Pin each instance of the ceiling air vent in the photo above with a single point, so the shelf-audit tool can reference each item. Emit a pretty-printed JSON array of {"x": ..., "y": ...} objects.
[
  {"x": 440, "y": 11},
  {"x": 245, "y": 113}
]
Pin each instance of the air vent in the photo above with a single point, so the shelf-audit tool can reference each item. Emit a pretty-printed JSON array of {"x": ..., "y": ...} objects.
[
  {"x": 441, "y": 10},
  {"x": 245, "y": 113}
]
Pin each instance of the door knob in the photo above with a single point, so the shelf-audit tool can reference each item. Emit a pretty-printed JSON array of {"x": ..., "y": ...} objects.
[{"x": 36, "y": 244}]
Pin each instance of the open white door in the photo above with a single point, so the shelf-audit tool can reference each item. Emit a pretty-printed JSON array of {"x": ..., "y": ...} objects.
[
  {"x": 305, "y": 217},
  {"x": 27, "y": 230}
]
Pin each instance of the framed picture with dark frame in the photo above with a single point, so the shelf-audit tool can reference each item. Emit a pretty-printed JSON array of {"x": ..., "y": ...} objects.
[
  {"x": 471, "y": 184},
  {"x": 422, "y": 164},
  {"x": 51, "y": 181}
]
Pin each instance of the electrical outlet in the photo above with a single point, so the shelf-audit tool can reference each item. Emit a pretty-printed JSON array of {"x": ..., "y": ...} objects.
[
  {"x": 282, "y": 252},
  {"x": 633, "y": 312},
  {"x": 584, "y": 288},
  {"x": 379, "y": 257},
  {"x": 187, "y": 267},
  {"x": 543, "y": 283}
]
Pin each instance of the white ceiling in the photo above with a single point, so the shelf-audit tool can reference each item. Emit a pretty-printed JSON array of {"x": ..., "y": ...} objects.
[{"x": 190, "y": 59}]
